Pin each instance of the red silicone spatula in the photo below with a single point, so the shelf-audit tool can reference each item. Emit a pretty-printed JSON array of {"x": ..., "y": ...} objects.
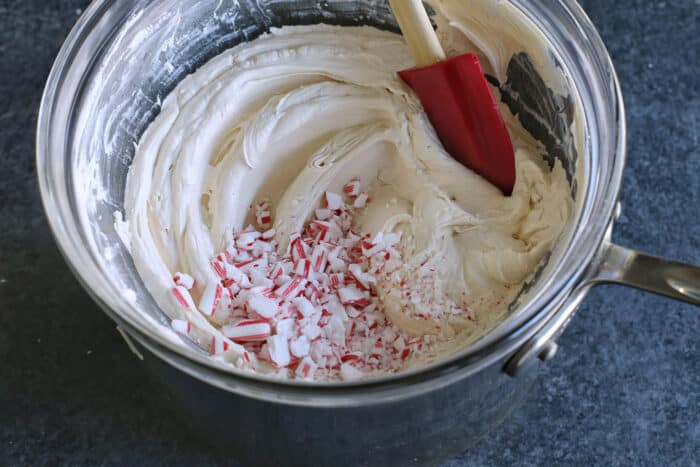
[{"x": 457, "y": 99}]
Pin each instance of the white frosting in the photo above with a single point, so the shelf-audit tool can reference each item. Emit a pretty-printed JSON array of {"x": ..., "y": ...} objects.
[{"x": 304, "y": 109}]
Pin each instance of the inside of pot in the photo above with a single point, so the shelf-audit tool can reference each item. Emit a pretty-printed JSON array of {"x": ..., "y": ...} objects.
[{"x": 162, "y": 42}]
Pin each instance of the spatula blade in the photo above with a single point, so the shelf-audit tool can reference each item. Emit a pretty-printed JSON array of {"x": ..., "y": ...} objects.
[{"x": 464, "y": 112}]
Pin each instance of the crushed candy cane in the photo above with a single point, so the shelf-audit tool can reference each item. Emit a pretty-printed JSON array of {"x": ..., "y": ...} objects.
[
  {"x": 184, "y": 280},
  {"x": 314, "y": 311}
]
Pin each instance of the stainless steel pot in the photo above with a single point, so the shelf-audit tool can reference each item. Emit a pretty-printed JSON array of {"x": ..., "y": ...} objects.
[{"x": 104, "y": 89}]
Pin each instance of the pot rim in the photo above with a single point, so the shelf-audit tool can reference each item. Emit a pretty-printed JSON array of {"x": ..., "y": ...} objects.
[{"x": 487, "y": 350}]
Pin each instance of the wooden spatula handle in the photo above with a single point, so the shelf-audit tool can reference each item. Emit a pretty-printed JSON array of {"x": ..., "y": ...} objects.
[{"x": 418, "y": 32}]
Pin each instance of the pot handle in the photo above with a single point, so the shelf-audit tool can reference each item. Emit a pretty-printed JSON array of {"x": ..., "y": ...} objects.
[
  {"x": 663, "y": 276},
  {"x": 618, "y": 265}
]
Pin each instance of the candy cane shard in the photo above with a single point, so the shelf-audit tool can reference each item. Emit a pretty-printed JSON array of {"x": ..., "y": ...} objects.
[
  {"x": 306, "y": 368},
  {"x": 279, "y": 350},
  {"x": 352, "y": 188},
  {"x": 263, "y": 306},
  {"x": 302, "y": 268},
  {"x": 247, "y": 238},
  {"x": 311, "y": 331},
  {"x": 183, "y": 297},
  {"x": 334, "y": 201},
  {"x": 264, "y": 219},
  {"x": 304, "y": 306},
  {"x": 300, "y": 346},
  {"x": 299, "y": 249},
  {"x": 349, "y": 372},
  {"x": 210, "y": 298},
  {"x": 323, "y": 214},
  {"x": 291, "y": 289},
  {"x": 248, "y": 330},
  {"x": 184, "y": 280},
  {"x": 350, "y": 294},
  {"x": 337, "y": 279},
  {"x": 319, "y": 258},
  {"x": 218, "y": 345}
]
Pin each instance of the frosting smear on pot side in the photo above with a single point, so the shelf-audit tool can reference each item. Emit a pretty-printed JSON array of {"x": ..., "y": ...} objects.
[{"x": 268, "y": 135}]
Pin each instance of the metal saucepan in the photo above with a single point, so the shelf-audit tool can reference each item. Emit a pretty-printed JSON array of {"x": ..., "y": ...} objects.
[{"x": 105, "y": 87}]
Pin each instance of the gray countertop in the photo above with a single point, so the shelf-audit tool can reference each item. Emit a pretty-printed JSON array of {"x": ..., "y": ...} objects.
[{"x": 624, "y": 388}]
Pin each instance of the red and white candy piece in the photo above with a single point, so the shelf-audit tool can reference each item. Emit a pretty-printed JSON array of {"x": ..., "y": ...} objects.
[
  {"x": 299, "y": 248},
  {"x": 336, "y": 280},
  {"x": 263, "y": 218},
  {"x": 319, "y": 258},
  {"x": 276, "y": 271},
  {"x": 352, "y": 188},
  {"x": 334, "y": 201},
  {"x": 247, "y": 238},
  {"x": 246, "y": 266},
  {"x": 363, "y": 279},
  {"x": 361, "y": 201},
  {"x": 302, "y": 267},
  {"x": 350, "y": 295},
  {"x": 185, "y": 280},
  {"x": 290, "y": 289},
  {"x": 183, "y": 297},
  {"x": 304, "y": 306},
  {"x": 285, "y": 327},
  {"x": 371, "y": 248},
  {"x": 351, "y": 357},
  {"x": 335, "y": 330},
  {"x": 323, "y": 213},
  {"x": 349, "y": 372},
  {"x": 210, "y": 298},
  {"x": 300, "y": 346},
  {"x": 306, "y": 368},
  {"x": 229, "y": 271},
  {"x": 248, "y": 330},
  {"x": 312, "y": 331},
  {"x": 261, "y": 247},
  {"x": 231, "y": 253},
  {"x": 279, "y": 350},
  {"x": 263, "y": 306},
  {"x": 218, "y": 345}
]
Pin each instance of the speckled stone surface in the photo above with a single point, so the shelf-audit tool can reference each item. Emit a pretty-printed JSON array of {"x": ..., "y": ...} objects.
[{"x": 623, "y": 390}]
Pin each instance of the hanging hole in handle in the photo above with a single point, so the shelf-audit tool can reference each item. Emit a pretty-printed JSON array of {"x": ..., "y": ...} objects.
[
  {"x": 663, "y": 276},
  {"x": 684, "y": 288}
]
